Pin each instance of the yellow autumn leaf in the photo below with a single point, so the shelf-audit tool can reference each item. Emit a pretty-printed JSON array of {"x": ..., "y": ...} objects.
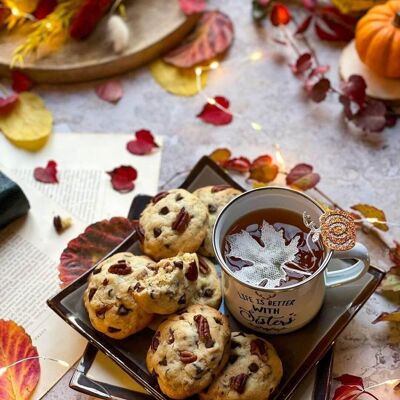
[
  {"x": 29, "y": 124},
  {"x": 181, "y": 82},
  {"x": 22, "y": 6},
  {"x": 374, "y": 215}
]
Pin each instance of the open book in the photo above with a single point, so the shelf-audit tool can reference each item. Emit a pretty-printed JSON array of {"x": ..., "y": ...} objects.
[{"x": 30, "y": 247}]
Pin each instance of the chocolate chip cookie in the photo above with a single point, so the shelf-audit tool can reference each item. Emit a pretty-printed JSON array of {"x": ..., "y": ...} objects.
[
  {"x": 188, "y": 350},
  {"x": 108, "y": 299},
  {"x": 214, "y": 198},
  {"x": 208, "y": 289},
  {"x": 170, "y": 286},
  {"x": 173, "y": 222},
  {"x": 253, "y": 372}
]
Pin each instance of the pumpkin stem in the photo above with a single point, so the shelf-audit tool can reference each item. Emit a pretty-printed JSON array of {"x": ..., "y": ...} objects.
[{"x": 396, "y": 21}]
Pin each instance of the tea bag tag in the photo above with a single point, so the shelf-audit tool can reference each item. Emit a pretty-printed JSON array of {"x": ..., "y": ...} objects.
[{"x": 337, "y": 229}]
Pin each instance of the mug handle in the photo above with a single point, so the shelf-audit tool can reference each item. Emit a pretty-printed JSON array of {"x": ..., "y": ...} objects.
[{"x": 350, "y": 274}]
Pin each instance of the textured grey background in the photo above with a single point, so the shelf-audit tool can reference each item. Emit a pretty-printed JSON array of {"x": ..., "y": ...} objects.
[{"x": 352, "y": 171}]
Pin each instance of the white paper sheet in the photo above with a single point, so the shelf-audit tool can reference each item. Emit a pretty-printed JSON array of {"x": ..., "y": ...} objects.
[{"x": 84, "y": 187}]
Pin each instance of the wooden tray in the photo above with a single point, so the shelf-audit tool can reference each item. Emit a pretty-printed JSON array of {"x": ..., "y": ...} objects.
[{"x": 155, "y": 26}]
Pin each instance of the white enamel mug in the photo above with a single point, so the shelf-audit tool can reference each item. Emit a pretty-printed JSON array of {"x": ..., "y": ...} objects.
[{"x": 283, "y": 309}]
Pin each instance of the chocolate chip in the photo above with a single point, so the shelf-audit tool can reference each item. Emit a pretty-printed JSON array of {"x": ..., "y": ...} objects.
[
  {"x": 101, "y": 312},
  {"x": 171, "y": 337},
  {"x": 192, "y": 273},
  {"x": 121, "y": 261},
  {"x": 178, "y": 264},
  {"x": 164, "y": 211},
  {"x": 92, "y": 291},
  {"x": 156, "y": 232},
  {"x": 155, "y": 342},
  {"x": 96, "y": 271},
  {"x": 110, "y": 292},
  {"x": 219, "y": 188},
  {"x": 253, "y": 367},
  {"x": 113, "y": 330},
  {"x": 218, "y": 321},
  {"x": 235, "y": 344},
  {"x": 138, "y": 288},
  {"x": 105, "y": 282},
  {"x": 122, "y": 310},
  {"x": 120, "y": 269},
  {"x": 212, "y": 209},
  {"x": 233, "y": 358},
  {"x": 182, "y": 299},
  {"x": 208, "y": 293},
  {"x": 159, "y": 196},
  {"x": 163, "y": 361},
  {"x": 178, "y": 197}
]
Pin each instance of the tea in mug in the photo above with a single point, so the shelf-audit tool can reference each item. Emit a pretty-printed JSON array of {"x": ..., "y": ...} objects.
[{"x": 271, "y": 248}]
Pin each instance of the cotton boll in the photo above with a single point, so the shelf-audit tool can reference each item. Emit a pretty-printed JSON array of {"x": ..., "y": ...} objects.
[{"x": 118, "y": 32}]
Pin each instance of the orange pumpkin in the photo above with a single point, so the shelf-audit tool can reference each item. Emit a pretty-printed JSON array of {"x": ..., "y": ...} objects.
[{"x": 378, "y": 39}]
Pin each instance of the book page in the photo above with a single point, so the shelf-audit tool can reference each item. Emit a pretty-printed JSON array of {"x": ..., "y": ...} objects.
[
  {"x": 29, "y": 251},
  {"x": 84, "y": 189}
]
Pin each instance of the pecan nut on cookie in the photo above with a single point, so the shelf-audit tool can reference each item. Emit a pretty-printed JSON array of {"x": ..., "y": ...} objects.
[
  {"x": 254, "y": 370},
  {"x": 173, "y": 222},
  {"x": 189, "y": 350},
  {"x": 108, "y": 299}
]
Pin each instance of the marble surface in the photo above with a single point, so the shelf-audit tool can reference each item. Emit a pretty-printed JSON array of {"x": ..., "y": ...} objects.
[{"x": 352, "y": 170}]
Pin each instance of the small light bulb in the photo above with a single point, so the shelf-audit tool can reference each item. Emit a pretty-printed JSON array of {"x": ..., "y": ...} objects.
[
  {"x": 256, "y": 126},
  {"x": 211, "y": 101},
  {"x": 3, "y": 370},
  {"x": 257, "y": 55},
  {"x": 214, "y": 65},
  {"x": 49, "y": 26},
  {"x": 15, "y": 12},
  {"x": 63, "y": 363},
  {"x": 198, "y": 71}
]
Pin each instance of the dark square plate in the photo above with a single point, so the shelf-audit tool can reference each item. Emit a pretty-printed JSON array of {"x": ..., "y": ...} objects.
[{"x": 300, "y": 351}]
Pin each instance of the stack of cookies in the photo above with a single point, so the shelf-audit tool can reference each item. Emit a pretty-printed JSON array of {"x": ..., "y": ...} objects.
[{"x": 191, "y": 352}]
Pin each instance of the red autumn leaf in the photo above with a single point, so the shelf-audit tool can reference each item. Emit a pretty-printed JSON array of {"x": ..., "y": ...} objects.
[
  {"x": 352, "y": 380},
  {"x": 190, "y": 7},
  {"x": 303, "y": 63},
  {"x": 304, "y": 25},
  {"x": 354, "y": 88},
  {"x": 122, "y": 178},
  {"x": 111, "y": 91},
  {"x": 220, "y": 155},
  {"x": 334, "y": 26},
  {"x": 212, "y": 36},
  {"x": 263, "y": 169},
  {"x": 7, "y": 104},
  {"x": 302, "y": 177},
  {"x": 372, "y": 117},
  {"x": 237, "y": 164},
  {"x": 143, "y": 144},
  {"x": 47, "y": 174},
  {"x": 4, "y": 14},
  {"x": 280, "y": 15},
  {"x": 87, "y": 18},
  {"x": 347, "y": 393},
  {"x": 91, "y": 246},
  {"x": 394, "y": 253},
  {"x": 44, "y": 8},
  {"x": 18, "y": 382},
  {"x": 319, "y": 90},
  {"x": 21, "y": 82},
  {"x": 212, "y": 114}
]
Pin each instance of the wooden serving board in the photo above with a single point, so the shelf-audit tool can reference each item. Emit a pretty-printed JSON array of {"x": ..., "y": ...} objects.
[
  {"x": 155, "y": 27},
  {"x": 378, "y": 87}
]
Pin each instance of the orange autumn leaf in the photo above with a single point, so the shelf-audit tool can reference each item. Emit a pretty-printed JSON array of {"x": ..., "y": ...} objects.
[
  {"x": 263, "y": 169},
  {"x": 220, "y": 155},
  {"x": 17, "y": 382},
  {"x": 376, "y": 216}
]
